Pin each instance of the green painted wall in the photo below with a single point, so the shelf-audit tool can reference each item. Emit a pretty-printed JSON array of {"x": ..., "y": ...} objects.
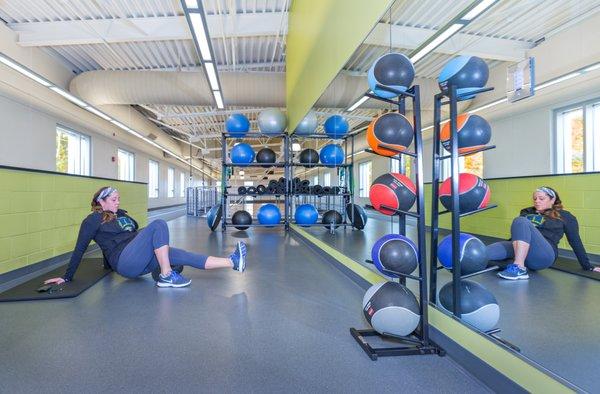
[
  {"x": 40, "y": 213},
  {"x": 322, "y": 35},
  {"x": 580, "y": 194}
]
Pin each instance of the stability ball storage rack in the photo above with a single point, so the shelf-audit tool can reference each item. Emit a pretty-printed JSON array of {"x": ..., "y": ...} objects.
[
  {"x": 225, "y": 200},
  {"x": 347, "y": 193},
  {"x": 419, "y": 341}
]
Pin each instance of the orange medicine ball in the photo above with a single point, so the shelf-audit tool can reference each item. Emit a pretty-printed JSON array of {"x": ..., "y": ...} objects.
[
  {"x": 392, "y": 130},
  {"x": 474, "y": 132}
]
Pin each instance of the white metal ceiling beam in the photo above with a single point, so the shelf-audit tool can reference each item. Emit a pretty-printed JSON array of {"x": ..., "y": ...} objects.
[
  {"x": 484, "y": 47},
  {"x": 98, "y": 31}
]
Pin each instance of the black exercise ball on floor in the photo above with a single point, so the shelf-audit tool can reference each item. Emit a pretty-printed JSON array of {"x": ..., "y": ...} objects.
[
  {"x": 241, "y": 220},
  {"x": 332, "y": 217},
  {"x": 265, "y": 155},
  {"x": 213, "y": 217},
  {"x": 308, "y": 157},
  {"x": 478, "y": 305},
  {"x": 391, "y": 308},
  {"x": 357, "y": 215}
]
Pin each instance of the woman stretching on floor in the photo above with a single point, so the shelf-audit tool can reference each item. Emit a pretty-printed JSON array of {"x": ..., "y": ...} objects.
[
  {"x": 535, "y": 235},
  {"x": 132, "y": 253}
]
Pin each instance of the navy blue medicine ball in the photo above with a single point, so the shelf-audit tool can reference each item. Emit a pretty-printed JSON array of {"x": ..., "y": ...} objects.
[
  {"x": 214, "y": 217},
  {"x": 478, "y": 306},
  {"x": 392, "y": 70},
  {"x": 467, "y": 73},
  {"x": 472, "y": 253},
  {"x": 395, "y": 252}
]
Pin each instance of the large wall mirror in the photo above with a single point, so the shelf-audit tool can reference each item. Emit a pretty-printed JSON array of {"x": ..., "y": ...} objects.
[{"x": 548, "y": 139}]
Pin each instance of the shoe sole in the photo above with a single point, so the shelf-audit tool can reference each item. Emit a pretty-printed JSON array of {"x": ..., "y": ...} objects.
[
  {"x": 163, "y": 284},
  {"x": 514, "y": 277},
  {"x": 242, "y": 264}
]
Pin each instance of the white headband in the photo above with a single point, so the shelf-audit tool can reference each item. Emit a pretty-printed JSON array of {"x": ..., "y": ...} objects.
[
  {"x": 105, "y": 193},
  {"x": 547, "y": 190}
]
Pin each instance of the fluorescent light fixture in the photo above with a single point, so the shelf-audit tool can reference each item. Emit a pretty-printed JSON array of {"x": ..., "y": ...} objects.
[
  {"x": 357, "y": 103},
  {"x": 436, "y": 42},
  {"x": 242, "y": 173},
  {"x": 212, "y": 75},
  {"x": 296, "y": 147},
  {"x": 191, "y": 3},
  {"x": 69, "y": 96},
  {"x": 479, "y": 8},
  {"x": 591, "y": 68},
  {"x": 17, "y": 67},
  {"x": 98, "y": 113},
  {"x": 198, "y": 25},
  {"x": 558, "y": 80},
  {"x": 218, "y": 99}
]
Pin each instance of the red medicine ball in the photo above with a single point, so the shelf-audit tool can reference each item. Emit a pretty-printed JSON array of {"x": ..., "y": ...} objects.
[
  {"x": 392, "y": 190},
  {"x": 473, "y": 193}
]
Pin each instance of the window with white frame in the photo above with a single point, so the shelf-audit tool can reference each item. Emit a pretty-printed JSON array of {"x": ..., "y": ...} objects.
[
  {"x": 578, "y": 138},
  {"x": 364, "y": 179},
  {"x": 125, "y": 165},
  {"x": 182, "y": 185},
  {"x": 405, "y": 163},
  {"x": 327, "y": 179},
  {"x": 153, "y": 179},
  {"x": 72, "y": 152},
  {"x": 170, "y": 182},
  {"x": 315, "y": 180}
]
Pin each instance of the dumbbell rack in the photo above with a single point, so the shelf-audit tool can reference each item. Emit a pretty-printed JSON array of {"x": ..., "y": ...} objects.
[
  {"x": 417, "y": 342},
  {"x": 346, "y": 197},
  {"x": 451, "y": 98},
  {"x": 225, "y": 165}
]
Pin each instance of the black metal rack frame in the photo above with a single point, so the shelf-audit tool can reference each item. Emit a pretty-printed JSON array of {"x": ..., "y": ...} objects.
[
  {"x": 285, "y": 165},
  {"x": 348, "y": 169},
  {"x": 452, "y": 99},
  {"x": 418, "y": 342}
]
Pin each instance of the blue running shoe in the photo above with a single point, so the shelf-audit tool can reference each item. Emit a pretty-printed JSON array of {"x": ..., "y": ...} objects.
[
  {"x": 239, "y": 257},
  {"x": 173, "y": 280},
  {"x": 514, "y": 272}
]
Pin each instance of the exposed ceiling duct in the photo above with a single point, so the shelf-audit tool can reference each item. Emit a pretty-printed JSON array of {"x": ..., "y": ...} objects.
[{"x": 240, "y": 89}]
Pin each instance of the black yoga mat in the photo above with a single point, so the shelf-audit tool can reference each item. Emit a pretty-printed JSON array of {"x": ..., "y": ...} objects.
[
  {"x": 90, "y": 271},
  {"x": 573, "y": 267}
]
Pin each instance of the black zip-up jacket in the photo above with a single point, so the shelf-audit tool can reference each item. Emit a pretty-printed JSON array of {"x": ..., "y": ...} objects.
[
  {"x": 554, "y": 229},
  {"x": 112, "y": 237}
]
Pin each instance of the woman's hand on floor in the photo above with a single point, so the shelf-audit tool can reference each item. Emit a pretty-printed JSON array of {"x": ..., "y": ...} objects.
[
  {"x": 54, "y": 281},
  {"x": 596, "y": 269}
]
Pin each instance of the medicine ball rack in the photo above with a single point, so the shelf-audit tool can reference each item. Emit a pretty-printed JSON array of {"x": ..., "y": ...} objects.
[
  {"x": 417, "y": 342},
  {"x": 224, "y": 184},
  {"x": 347, "y": 197},
  {"x": 451, "y": 98}
]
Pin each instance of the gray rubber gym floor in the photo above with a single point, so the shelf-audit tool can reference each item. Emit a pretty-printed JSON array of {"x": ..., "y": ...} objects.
[
  {"x": 282, "y": 326},
  {"x": 553, "y": 317}
]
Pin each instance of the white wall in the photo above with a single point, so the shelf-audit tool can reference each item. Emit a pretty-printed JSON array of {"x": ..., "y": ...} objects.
[{"x": 28, "y": 140}]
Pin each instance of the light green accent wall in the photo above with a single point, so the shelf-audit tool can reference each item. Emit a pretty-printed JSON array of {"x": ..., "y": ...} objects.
[
  {"x": 580, "y": 195},
  {"x": 40, "y": 213},
  {"x": 322, "y": 35},
  {"x": 519, "y": 371}
]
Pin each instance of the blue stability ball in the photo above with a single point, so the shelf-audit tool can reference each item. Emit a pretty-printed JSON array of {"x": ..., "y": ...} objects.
[
  {"x": 467, "y": 73},
  {"x": 306, "y": 214},
  {"x": 472, "y": 253},
  {"x": 237, "y": 125},
  {"x": 214, "y": 217},
  {"x": 332, "y": 155},
  {"x": 272, "y": 121},
  {"x": 269, "y": 214},
  {"x": 478, "y": 306},
  {"x": 396, "y": 253},
  {"x": 336, "y": 126},
  {"x": 392, "y": 70},
  {"x": 308, "y": 125},
  {"x": 242, "y": 154}
]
